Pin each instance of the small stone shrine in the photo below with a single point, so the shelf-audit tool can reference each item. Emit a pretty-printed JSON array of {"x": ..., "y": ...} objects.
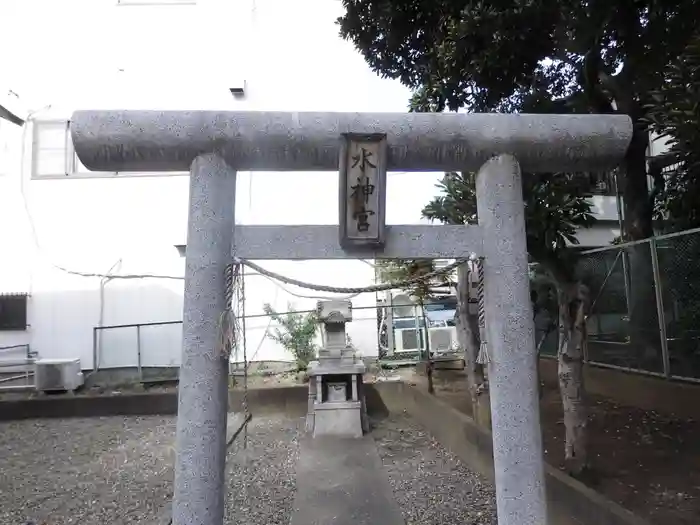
[{"x": 336, "y": 399}]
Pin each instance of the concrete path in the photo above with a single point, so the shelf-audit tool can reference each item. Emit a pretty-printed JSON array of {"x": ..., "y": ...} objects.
[{"x": 342, "y": 482}]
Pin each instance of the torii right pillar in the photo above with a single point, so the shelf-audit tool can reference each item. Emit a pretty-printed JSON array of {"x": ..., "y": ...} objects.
[{"x": 510, "y": 331}]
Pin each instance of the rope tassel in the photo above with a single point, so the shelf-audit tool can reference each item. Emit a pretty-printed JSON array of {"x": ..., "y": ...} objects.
[
  {"x": 483, "y": 357},
  {"x": 228, "y": 284},
  {"x": 228, "y": 318},
  {"x": 232, "y": 334}
]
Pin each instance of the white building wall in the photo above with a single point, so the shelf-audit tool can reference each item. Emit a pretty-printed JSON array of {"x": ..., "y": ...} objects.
[
  {"x": 173, "y": 57},
  {"x": 91, "y": 225},
  {"x": 14, "y": 241}
]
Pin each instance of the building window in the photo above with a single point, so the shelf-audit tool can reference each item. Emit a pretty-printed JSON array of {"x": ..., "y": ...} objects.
[
  {"x": 13, "y": 312},
  {"x": 52, "y": 150},
  {"x": 54, "y": 157},
  {"x": 51, "y": 141}
]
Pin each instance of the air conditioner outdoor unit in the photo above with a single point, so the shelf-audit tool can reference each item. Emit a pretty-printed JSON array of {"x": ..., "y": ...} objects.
[
  {"x": 406, "y": 340},
  {"x": 53, "y": 375},
  {"x": 443, "y": 339}
]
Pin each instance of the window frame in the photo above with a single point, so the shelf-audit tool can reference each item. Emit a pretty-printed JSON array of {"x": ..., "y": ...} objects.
[{"x": 37, "y": 126}]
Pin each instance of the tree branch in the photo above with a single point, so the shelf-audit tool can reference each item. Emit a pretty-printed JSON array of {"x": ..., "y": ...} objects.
[{"x": 590, "y": 80}]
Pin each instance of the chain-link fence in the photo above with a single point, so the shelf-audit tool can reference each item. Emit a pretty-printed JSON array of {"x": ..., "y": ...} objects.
[{"x": 645, "y": 305}]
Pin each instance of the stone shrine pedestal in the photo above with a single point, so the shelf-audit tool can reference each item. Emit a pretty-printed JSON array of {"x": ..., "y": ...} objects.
[{"x": 336, "y": 397}]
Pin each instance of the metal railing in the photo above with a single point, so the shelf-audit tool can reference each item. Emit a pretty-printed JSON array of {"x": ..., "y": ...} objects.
[
  {"x": 10, "y": 377},
  {"x": 97, "y": 344},
  {"x": 645, "y": 310}
]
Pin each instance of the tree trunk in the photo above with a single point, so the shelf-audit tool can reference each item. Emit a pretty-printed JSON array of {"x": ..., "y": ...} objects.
[
  {"x": 643, "y": 331},
  {"x": 468, "y": 337},
  {"x": 431, "y": 386},
  {"x": 573, "y": 307},
  {"x": 428, "y": 357},
  {"x": 638, "y": 210}
]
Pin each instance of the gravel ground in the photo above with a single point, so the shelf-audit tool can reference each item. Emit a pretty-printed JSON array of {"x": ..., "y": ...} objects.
[
  {"x": 262, "y": 476},
  {"x": 119, "y": 471},
  {"x": 431, "y": 485},
  {"x": 85, "y": 471}
]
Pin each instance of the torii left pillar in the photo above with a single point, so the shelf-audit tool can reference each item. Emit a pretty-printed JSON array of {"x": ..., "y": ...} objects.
[{"x": 199, "y": 487}]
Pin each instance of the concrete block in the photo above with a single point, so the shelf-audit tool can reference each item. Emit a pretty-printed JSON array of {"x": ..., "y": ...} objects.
[{"x": 340, "y": 421}]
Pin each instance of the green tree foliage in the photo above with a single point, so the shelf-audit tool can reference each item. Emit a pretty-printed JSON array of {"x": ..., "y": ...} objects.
[
  {"x": 555, "y": 208},
  {"x": 674, "y": 114},
  {"x": 395, "y": 270},
  {"x": 546, "y": 56},
  {"x": 296, "y": 333}
]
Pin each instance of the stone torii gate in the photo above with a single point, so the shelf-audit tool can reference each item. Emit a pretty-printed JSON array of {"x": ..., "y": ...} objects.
[{"x": 214, "y": 145}]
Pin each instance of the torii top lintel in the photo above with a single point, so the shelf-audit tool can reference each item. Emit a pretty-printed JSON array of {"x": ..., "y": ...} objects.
[{"x": 161, "y": 141}]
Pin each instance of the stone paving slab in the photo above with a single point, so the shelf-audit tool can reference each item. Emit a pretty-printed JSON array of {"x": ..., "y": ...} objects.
[{"x": 342, "y": 482}]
